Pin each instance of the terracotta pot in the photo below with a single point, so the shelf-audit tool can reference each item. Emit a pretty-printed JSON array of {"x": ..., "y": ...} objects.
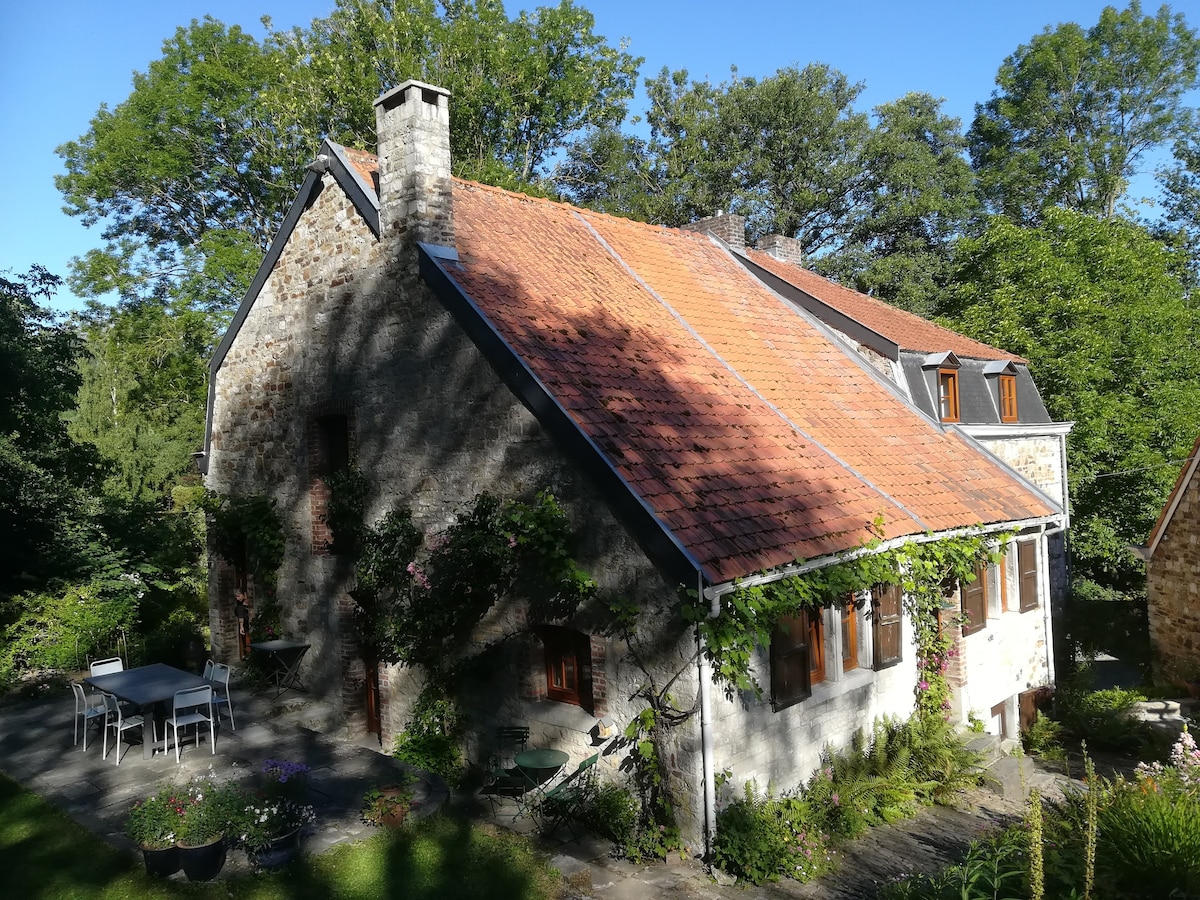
[
  {"x": 204, "y": 862},
  {"x": 161, "y": 861},
  {"x": 281, "y": 851},
  {"x": 394, "y": 815}
]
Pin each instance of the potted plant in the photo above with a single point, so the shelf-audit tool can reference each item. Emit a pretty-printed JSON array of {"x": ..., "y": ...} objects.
[
  {"x": 210, "y": 809},
  {"x": 154, "y": 825},
  {"x": 273, "y": 816},
  {"x": 387, "y": 805}
]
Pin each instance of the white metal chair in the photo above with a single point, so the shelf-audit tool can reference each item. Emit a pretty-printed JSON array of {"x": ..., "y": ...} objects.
[
  {"x": 86, "y": 710},
  {"x": 105, "y": 666},
  {"x": 220, "y": 679},
  {"x": 188, "y": 709},
  {"x": 116, "y": 719},
  {"x": 208, "y": 669}
]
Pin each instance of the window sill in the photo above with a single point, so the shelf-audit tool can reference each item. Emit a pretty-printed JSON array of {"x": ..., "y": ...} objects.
[
  {"x": 831, "y": 690},
  {"x": 560, "y": 715}
]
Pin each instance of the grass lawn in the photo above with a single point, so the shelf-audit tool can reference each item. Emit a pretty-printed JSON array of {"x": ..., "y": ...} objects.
[{"x": 45, "y": 854}]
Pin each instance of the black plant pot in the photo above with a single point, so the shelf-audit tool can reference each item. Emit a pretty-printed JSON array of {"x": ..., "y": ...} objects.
[
  {"x": 161, "y": 861},
  {"x": 281, "y": 851},
  {"x": 203, "y": 863}
]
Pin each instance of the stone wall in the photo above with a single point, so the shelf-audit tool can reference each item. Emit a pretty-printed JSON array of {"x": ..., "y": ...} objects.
[
  {"x": 336, "y": 327},
  {"x": 1037, "y": 458},
  {"x": 1173, "y": 592}
]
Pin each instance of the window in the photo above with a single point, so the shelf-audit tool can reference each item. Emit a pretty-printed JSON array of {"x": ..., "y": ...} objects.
[
  {"x": 886, "y": 623},
  {"x": 568, "y": 666},
  {"x": 332, "y": 446},
  {"x": 973, "y": 596},
  {"x": 1027, "y": 575},
  {"x": 948, "y": 394},
  {"x": 849, "y": 635},
  {"x": 797, "y": 657},
  {"x": 1008, "y": 398}
]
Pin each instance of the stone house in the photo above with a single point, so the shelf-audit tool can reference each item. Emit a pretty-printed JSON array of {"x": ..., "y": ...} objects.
[
  {"x": 1172, "y": 555},
  {"x": 708, "y": 414}
]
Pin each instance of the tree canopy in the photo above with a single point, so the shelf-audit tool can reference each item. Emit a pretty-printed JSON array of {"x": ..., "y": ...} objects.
[
  {"x": 1075, "y": 111},
  {"x": 1114, "y": 346}
]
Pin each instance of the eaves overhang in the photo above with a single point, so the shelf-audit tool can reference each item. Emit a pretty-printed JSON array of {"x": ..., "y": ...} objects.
[
  {"x": 661, "y": 545},
  {"x": 715, "y": 592}
]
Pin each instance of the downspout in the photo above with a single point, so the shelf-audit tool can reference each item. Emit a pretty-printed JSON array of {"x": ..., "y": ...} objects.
[{"x": 706, "y": 737}]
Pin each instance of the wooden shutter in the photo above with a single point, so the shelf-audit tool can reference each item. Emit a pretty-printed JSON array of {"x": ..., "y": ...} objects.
[
  {"x": 1008, "y": 398},
  {"x": 974, "y": 601},
  {"x": 790, "y": 662},
  {"x": 1027, "y": 573},
  {"x": 886, "y": 624}
]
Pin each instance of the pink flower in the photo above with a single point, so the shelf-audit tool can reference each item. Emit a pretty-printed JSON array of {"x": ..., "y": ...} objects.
[{"x": 923, "y": 686}]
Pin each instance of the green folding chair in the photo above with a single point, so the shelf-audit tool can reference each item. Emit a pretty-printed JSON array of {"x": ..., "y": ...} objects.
[{"x": 563, "y": 803}]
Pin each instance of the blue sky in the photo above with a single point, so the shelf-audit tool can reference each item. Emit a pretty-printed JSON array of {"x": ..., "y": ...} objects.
[{"x": 60, "y": 59}]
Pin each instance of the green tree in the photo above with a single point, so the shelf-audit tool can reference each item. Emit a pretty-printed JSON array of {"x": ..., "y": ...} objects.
[
  {"x": 187, "y": 175},
  {"x": 1075, "y": 111},
  {"x": 520, "y": 87},
  {"x": 783, "y": 151},
  {"x": 1114, "y": 347},
  {"x": 43, "y": 474},
  {"x": 918, "y": 197}
]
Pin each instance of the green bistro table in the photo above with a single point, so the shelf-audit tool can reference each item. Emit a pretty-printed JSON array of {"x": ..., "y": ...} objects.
[{"x": 539, "y": 768}]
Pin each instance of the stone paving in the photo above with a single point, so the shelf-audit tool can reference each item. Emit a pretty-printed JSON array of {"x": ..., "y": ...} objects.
[{"x": 36, "y": 749}]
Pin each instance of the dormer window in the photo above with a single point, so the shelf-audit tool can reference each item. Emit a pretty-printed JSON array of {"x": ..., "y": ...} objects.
[
  {"x": 948, "y": 394},
  {"x": 1002, "y": 381},
  {"x": 1008, "y": 398},
  {"x": 941, "y": 373}
]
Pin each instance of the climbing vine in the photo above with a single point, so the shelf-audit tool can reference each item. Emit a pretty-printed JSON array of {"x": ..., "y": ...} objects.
[
  {"x": 419, "y": 600},
  {"x": 926, "y": 571},
  {"x": 247, "y": 532}
]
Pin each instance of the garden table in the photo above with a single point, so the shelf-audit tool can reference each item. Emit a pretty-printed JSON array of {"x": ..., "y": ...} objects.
[
  {"x": 539, "y": 767},
  {"x": 146, "y": 687},
  {"x": 285, "y": 656}
]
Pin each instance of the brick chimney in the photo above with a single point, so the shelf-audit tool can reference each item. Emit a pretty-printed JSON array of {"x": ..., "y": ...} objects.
[
  {"x": 416, "y": 201},
  {"x": 783, "y": 248},
  {"x": 726, "y": 226}
]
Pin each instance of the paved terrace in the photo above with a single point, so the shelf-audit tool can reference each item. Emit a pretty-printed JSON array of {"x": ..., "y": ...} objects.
[{"x": 37, "y": 750}]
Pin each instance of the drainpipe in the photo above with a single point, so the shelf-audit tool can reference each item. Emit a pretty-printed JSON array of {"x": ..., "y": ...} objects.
[{"x": 706, "y": 738}]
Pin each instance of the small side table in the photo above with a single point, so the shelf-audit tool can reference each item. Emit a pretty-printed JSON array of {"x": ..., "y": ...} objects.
[
  {"x": 539, "y": 768},
  {"x": 286, "y": 656}
]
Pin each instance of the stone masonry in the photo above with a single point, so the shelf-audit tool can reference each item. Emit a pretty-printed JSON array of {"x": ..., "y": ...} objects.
[{"x": 1173, "y": 592}]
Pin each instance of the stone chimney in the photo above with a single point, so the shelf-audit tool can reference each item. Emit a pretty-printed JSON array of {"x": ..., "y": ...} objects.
[
  {"x": 416, "y": 200},
  {"x": 728, "y": 227},
  {"x": 783, "y": 248}
]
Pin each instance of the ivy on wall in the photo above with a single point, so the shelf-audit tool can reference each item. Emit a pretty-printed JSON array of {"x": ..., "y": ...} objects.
[
  {"x": 247, "y": 532},
  {"x": 926, "y": 571}
]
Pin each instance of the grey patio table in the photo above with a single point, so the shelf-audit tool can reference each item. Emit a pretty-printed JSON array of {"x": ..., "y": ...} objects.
[
  {"x": 286, "y": 656},
  {"x": 147, "y": 686}
]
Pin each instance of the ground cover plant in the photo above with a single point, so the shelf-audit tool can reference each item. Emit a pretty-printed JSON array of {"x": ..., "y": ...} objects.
[
  {"x": 1110, "y": 840},
  {"x": 47, "y": 856},
  {"x": 886, "y": 774}
]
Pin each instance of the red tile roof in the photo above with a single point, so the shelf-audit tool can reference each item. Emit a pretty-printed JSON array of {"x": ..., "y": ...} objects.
[
  {"x": 755, "y": 439},
  {"x": 908, "y": 331}
]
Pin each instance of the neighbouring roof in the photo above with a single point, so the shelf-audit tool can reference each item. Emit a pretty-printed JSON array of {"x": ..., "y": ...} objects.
[
  {"x": 1168, "y": 511},
  {"x": 752, "y": 436},
  {"x": 907, "y": 331}
]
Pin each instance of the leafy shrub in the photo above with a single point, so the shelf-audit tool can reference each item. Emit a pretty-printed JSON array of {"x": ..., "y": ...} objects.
[
  {"x": 1043, "y": 737},
  {"x": 612, "y": 813},
  {"x": 760, "y": 838},
  {"x": 430, "y": 741},
  {"x": 1103, "y": 718},
  {"x": 1149, "y": 843}
]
